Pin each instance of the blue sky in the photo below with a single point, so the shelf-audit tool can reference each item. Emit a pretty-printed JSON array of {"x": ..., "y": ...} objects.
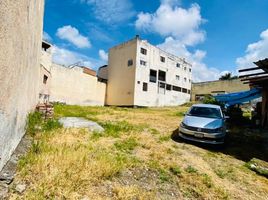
[{"x": 214, "y": 35}]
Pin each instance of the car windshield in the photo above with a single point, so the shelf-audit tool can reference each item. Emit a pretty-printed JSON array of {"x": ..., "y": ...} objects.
[{"x": 205, "y": 112}]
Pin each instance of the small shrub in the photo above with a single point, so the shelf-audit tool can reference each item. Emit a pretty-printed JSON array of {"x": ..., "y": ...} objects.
[
  {"x": 175, "y": 170},
  {"x": 190, "y": 169},
  {"x": 126, "y": 145},
  {"x": 51, "y": 124},
  {"x": 207, "y": 180},
  {"x": 164, "y": 176},
  {"x": 34, "y": 123}
]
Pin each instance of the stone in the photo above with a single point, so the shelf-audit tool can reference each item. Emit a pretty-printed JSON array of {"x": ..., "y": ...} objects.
[
  {"x": 78, "y": 122},
  {"x": 20, "y": 188}
]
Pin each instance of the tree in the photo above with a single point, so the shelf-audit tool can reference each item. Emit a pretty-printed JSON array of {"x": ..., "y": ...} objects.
[{"x": 227, "y": 76}]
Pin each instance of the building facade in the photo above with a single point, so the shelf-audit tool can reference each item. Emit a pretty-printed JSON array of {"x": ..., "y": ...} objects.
[
  {"x": 200, "y": 90},
  {"x": 140, "y": 74},
  {"x": 21, "y": 28},
  {"x": 45, "y": 74},
  {"x": 76, "y": 86}
]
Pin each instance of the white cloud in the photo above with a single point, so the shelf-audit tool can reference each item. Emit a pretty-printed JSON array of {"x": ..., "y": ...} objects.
[
  {"x": 200, "y": 71},
  {"x": 171, "y": 20},
  {"x": 112, "y": 11},
  {"x": 47, "y": 37},
  {"x": 103, "y": 55},
  {"x": 66, "y": 57},
  {"x": 72, "y": 35},
  {"x": 254, "y": 52}
]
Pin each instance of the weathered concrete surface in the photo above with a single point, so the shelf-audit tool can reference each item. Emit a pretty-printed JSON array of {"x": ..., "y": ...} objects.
[
  {"x": 8, "y": 172},
  {"x": 21, "y": 24},
  {"x": 77, "y": 122},
  {"x": 73, "y": 86}
]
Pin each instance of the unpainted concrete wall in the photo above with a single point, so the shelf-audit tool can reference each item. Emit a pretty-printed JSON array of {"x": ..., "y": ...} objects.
[
  {"x": 73, "y": 86},
  {"x": 214, "y": 87},
  {"x": 21, "y": 25}
]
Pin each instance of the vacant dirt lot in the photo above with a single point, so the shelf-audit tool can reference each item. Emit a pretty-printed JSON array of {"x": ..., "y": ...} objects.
[{"x": 136, "y": 158}]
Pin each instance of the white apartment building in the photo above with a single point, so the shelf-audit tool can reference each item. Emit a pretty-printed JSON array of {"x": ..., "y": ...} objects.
[{"x": 140, "y": 74}]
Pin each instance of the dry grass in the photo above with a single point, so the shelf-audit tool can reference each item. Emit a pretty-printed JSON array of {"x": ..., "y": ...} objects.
[{"x": 134, "y": 159}]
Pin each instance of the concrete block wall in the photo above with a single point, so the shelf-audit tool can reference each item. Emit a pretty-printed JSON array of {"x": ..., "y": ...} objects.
[{"x": 21, "y": 25}]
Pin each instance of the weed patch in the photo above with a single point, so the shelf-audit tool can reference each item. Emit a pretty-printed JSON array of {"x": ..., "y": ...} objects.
[
  {"x": 190, "y": 169},
  {"x": 126, "y": 145}
]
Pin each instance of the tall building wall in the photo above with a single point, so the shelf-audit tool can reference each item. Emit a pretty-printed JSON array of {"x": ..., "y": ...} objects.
[
  {"x": 21, "y": 25},
  {"x": 129, "y": 76},
  {"x": 177, "y": 75},
  {"x": 121, "y": 74}
]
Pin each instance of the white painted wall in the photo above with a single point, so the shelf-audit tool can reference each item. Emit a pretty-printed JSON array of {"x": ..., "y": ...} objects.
[{"x": 73, "y": 86}]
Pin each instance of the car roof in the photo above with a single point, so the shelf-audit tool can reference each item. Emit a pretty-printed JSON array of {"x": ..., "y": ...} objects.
[{"x": 206, "y": 106}]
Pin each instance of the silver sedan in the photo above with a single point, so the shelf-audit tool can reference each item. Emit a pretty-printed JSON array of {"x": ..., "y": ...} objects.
[{"x": 204, "y": 123}]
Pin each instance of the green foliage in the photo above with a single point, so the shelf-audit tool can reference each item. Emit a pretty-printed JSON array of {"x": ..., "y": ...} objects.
[
  {"x": 34, "y": 123},
  {"x": 51, "y": 124},
  {"x": 164, "y": 138},
  {"x": 227, "y": 76},
  {"x": 164, "y": 176},
  {"x": 190, "y": 169},
  {"x": 115, "y": 129},
  {"x": 126, "y": 145},
  {"x": 175, "y": 170}
]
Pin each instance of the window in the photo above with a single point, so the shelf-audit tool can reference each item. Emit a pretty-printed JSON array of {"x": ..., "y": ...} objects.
[
  {"x": 130, "y": 62},
  {"x": 162, "y": 59},
  {"x": 143, "y": 51},
  {"x": 185, "y": 68},
  {"x": 138, "y": 82},
  {"x": 178, "y": 65},
  {"x": 142, "y": 62},
  {"x": 184, "y": 90},
  {"x": 45, "y": 79},
  {"x": 168, "y": 87},
  {"x": 175, "y": 88},
  {"x": 161, "y": 75},
  {"x": 190, "y": 80},
  {"x": 177, "y": 77},
  {"x": 190, "y": 70},
  {"x": 189, "y": 91},
  {"x": 161, "y": 88},
  {"x": 153, "y": 75},
  {"x": 145, "y": 87},
  {"x": 185, "y": 79}
]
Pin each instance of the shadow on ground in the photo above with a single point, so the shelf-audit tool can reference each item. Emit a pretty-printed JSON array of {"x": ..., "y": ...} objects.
[{"x": 242, "y": 142}]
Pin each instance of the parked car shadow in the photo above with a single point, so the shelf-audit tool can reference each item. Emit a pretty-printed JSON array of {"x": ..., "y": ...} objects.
[{"x": 242, "y": 143}]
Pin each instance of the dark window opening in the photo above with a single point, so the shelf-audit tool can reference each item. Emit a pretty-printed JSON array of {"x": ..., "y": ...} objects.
[
  {"x": 175, "y": 88},
  {"x": 161, "y": 75},
  {"x": 189, "y": 91},
  {"x": 45, "y": 79},
  {"x": 130, "y": 62},
  {"x": 145, "y": 87},
  {"x": 161, "y": 88},
  {"x": 184, "y": 90},
  {"x": 190, "y": 69},
  {"x": 168, "y": 87},
  {"x": 178, "y": 65},
  {"x": 162, "y": 59},
  {"x": 138, "y": 82},
  {"x": 143, "y": 51},
  {"x": 142, "y": 62},
  {"x": 153, "y": 75},
  {"x": 185, "y": 68}
]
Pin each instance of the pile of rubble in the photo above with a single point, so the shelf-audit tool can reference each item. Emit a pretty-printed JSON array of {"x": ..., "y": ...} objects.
[{"x": 46, "y": 109}]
